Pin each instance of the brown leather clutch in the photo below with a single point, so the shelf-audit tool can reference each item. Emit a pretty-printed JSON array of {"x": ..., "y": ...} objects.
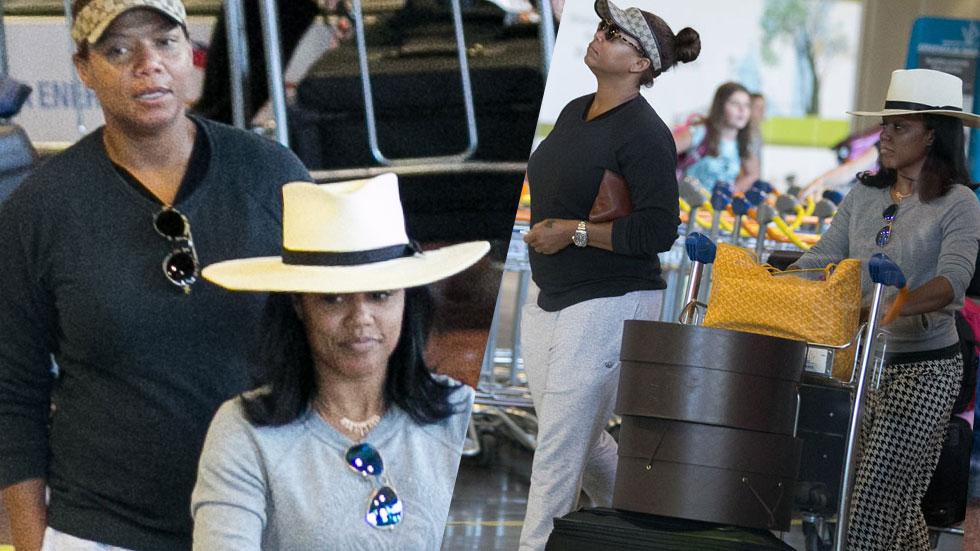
[{"x": 613, "y": 200}]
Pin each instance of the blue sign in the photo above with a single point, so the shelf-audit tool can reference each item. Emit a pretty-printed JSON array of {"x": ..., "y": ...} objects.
[{"x": 951, "y": 46}]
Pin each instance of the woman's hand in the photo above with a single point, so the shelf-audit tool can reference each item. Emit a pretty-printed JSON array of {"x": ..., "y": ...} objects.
[{"x": 551, "y": 235}]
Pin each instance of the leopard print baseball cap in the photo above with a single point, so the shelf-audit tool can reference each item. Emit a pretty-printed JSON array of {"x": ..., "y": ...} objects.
[{"x": 93, "y": 17}]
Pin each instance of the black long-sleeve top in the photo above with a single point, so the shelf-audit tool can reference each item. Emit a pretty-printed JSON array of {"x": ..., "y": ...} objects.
[
  {"x": 564, "y": 175},
  {"x": 143, "y": 367}
]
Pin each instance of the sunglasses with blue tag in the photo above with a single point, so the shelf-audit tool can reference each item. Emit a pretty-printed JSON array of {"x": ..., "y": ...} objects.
[
  {"x": 384, "y": 509},
  {"x": 885, "y": 233}
]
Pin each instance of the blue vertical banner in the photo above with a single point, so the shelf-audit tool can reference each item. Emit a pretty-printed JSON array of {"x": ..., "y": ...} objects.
[{"x": 951, "y": 46}]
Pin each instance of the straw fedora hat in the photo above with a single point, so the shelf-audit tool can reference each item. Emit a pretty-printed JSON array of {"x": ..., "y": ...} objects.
[
  {"x": 347, "y": 237},
  {"x": 924, "y": 91}
]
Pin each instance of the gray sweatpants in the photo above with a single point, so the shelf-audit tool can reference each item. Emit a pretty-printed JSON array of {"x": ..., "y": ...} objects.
[{"x": 572, "y": 363}]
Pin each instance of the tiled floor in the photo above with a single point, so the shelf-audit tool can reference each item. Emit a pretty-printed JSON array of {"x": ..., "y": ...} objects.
[{"x": 490, "y": 500}]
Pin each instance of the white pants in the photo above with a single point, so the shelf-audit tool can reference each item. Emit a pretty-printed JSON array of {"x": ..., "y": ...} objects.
[
  {"x": 60, "y": 541},
  {"x": 572, "y": 363}
]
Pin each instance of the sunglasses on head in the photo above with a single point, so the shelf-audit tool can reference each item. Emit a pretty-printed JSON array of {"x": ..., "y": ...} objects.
[
  {"x": 611, "y": 31},
  {"x": 384, "y": 509},
  {"x": 180, "y": 266},
  {"x": 885, "y": 233}
]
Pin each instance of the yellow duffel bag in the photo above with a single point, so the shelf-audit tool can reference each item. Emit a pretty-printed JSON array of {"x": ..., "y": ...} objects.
[{"x": 755, "y": 298}]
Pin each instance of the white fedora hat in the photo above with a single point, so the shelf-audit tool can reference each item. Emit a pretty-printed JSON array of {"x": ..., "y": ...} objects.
[
  {"x": 922, "y": 91},
  {"x": 347, "y": 237}
]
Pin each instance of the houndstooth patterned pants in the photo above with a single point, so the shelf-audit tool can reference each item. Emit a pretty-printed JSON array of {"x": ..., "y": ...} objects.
[{"x": 902, "y": 435}]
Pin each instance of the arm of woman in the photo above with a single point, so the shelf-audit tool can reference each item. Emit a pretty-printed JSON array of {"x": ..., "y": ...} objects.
[
  {"x": 934, "y": 295},
  {"x": 648, "y": 162},
  {"x": 28, "y": 513},
  {"x": 553, "y": 234},
  {"x": 957, "y": 257},
  {"x": 228, "y": 503},
  {"x": 27, "y": 325},
  {"x": 840, "y": 174},
  {"x": 748, "y": 174}
]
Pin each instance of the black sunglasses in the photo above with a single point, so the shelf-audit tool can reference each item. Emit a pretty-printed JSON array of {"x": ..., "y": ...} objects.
[
  {"x": 181, "y": 265},
  {"x": 885, "y": 233},
  {"x": 611, "y": 31},
  {"x": 384, "y": 508}
]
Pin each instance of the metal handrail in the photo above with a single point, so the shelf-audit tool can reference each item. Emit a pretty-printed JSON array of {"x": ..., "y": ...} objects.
[
  {"x": 492, "y": 167},
  {"x": 79, "y": 117},
  {"x": 240, "y": 71},
  {"x": 4, "y": 67},
  {"x": 238, "y": 65},
  {"x": 273, "y": 63},
  {"x": 546, "y": 30},
  {"x": 369, "y": 115}
]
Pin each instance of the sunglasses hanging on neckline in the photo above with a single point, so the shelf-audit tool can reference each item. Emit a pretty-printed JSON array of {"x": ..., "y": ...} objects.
[
  {"x": 384, "y": 508},
  {"x": 180, "y": 266},
  {"x": 885, "y": 234}
]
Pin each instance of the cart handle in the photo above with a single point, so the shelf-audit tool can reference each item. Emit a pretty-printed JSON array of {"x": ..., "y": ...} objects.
[
  {"x": 741, "y": 205},
  {"x": 763, "y": 187},
  {"x": 721, "y": 196},
  {"x": 700, "y": 248},
  {"x": 884, "y": 271}
]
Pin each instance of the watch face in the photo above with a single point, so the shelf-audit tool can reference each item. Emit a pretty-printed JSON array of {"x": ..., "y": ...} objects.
[{"x": 580, "y": 239}]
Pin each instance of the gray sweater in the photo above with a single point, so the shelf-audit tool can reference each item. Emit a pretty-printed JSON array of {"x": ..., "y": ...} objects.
[
  {"x": 288, "y": 487},
  {"x": 932, "y": 239}
]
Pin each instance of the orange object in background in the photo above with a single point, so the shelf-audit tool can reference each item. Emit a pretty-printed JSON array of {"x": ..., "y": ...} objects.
[
  {"x": 463, "y": 312},
  {"x": 752, "y": 227},
  {"x": 524, "y": 205},
  {"x": 896, "y": 307}
]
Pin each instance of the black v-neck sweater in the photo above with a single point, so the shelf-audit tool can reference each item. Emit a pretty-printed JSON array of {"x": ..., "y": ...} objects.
[
  {"x": 564, "y": 174},
  {"x": 142, "y": 366}
]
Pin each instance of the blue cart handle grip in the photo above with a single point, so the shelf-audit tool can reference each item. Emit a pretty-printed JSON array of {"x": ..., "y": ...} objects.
[
  {"x": 700, "y": 248},
  {"x": 721, "y": 196},
  {"x": 754, "y": 197},
  {"x": 741, "y": 206},
  {"x": 762, "y": 187},
  {"x": 835, "y": 197},
  {"x": 884, "y": 271}
]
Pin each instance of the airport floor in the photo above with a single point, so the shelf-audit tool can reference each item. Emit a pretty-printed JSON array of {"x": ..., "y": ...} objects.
[
  {"x": 489, "y": 502},
  {"x": 491, "y": 491}
]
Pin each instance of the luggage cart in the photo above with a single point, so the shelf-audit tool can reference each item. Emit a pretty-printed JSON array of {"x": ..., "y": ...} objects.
[
  {"x": 503, "y": 403},
  {"x": 866, "y": 374}
]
